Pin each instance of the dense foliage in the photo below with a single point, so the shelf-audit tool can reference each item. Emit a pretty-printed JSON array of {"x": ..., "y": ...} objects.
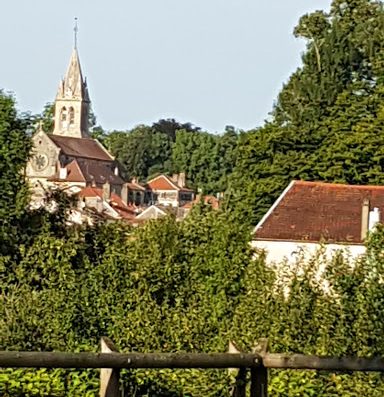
[
  {"x": 190, "y": 286},
  {"x": 168, "y": 286},
  {"x": 15, "y": 145}
]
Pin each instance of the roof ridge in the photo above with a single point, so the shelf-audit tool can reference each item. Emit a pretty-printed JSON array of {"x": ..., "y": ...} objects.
[{"x": 337, "y": 185}]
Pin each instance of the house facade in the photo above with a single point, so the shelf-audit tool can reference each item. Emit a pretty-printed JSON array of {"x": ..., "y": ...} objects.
[
  {"x": 169, "y": 191},
  {"x": 310, "y": 214}
]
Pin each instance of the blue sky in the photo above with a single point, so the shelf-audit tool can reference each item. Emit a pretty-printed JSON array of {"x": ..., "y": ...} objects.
[{"x": 210, "y": 62}]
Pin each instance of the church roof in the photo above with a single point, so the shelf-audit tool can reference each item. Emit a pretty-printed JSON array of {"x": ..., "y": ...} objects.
[
  {"x": 81, "y": 147},
  {"x": 99, "y": 173},
  {"x": 89, "y": 171}
]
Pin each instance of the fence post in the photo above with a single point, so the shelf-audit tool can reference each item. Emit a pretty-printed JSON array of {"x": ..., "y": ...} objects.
[
  {"x": 259, "y": 376},
  {"x": 109, "y": 378},
  {"x": 240, "y": 386}
]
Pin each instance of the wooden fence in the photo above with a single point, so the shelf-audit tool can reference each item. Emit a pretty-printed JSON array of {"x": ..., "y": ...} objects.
[{"x": 257, "y": 363}]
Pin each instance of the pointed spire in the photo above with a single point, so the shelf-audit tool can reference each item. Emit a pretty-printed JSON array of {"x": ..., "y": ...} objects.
[{"x": 73, "y": 86}]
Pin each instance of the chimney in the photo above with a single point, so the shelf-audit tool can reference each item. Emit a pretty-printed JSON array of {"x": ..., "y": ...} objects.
[
  {"x": 106, "y": 191},
  {"x": 134, "y": 180},
  {"x": 364, "y": 219},
  {"x": 99, "y": 205},
  {"x": 374, "y": 218},
  {"x": 181, "y": 179},
  {"x": 63, "y": 173},
  {"x": 124, "y": 193}
]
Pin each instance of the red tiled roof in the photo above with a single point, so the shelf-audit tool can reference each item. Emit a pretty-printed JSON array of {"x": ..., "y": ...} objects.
[
  {"x": 135, "y": 186},
  {"x": 90, "y": 191},
  {"x": 208, "y": 200},
  {"x": 162, "y": 182},
  {"x": 126, "y": 211},
  {"x": 81, "y": 147},
  {"x": 315, "y": 211},
  {"x": 74, "y": 173}
]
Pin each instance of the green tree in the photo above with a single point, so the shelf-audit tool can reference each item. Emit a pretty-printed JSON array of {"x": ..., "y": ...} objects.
[
  {"x": 15, "y": 145},
  {"x": 207, "y": 159},
  {"x": 142, "y": 151},
  {"x": 327, "y": 118},
  {"x": 167, "y": 286},
  {"x": 169, "y": 127}
]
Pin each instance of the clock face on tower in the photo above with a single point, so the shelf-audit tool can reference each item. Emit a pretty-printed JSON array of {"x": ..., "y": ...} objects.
[{"x": 39, "y": 161}]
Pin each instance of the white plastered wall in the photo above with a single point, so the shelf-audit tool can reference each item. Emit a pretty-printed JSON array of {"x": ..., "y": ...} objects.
[{"x": 278, "y": 251}]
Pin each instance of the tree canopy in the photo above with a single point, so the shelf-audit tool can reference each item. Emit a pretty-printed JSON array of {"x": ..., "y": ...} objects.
[{"x": 15, "y": 146}]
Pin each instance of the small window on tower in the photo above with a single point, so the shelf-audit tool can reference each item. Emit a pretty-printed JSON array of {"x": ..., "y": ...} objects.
[
  {"x": 63, "y": 114},
  {"x": 71, "y": 116},
  {"x": 63, "y": 118}
]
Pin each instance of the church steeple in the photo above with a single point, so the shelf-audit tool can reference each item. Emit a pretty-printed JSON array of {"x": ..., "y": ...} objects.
[{"x": 72, "y": 102}]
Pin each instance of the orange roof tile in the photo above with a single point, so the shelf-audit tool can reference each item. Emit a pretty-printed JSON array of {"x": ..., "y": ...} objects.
[
  {"x": 90, "y": 191},
  {"x": 163, "y": 182},
  {"x": 74, "y": 173},
  {"x": 317, "y": 211},
  {"x": 135, "y": 186},
  {"x": 209, "y": 200}
]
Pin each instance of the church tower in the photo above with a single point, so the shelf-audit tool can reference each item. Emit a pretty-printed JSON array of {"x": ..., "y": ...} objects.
[{"x": 72, "y": 102}]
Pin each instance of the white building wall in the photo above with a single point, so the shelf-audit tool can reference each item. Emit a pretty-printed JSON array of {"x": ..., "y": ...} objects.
[
  {"x": 278, "y": 251},
  {"x": 167, "y": 198}
]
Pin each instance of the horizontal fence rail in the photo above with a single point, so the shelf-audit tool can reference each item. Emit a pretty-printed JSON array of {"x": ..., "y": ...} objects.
[
  {"x": 131, "y": 360},
  {"x": 334, "y": 364},
  {"x": 187, "y": 360}
]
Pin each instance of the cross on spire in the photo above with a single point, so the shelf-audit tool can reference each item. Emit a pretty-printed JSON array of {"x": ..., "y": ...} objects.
[{"x": 75, "y": 29}]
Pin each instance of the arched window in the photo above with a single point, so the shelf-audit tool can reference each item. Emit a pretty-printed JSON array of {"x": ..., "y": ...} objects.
[
  {"x": 63, "y": 114},
  {"x": 71, "y": 116},
  {"x": 63, "y": 117}
]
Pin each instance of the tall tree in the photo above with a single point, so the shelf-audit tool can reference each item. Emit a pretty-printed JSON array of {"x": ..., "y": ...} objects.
[
  {"x": 323, "y": 114},
  {"x": 142, "y": 151},
  {"x": 171, "y": 126},
  {"x": 207, "y": 159},
  {"x": 146, "y": 151},
  {"x": 15, "y": 145}
]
